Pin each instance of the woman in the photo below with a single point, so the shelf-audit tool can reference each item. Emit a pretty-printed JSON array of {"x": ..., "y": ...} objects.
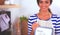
[{"x": 44, "y": 14}]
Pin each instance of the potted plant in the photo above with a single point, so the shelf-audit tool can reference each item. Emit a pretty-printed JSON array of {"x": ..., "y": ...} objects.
[{"x": 24, "y": 25}]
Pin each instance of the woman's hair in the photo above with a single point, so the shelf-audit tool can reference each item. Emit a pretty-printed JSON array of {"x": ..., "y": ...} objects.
[
  {"x": 39, "y": 1},
  {"x": 48, "y": 8}
]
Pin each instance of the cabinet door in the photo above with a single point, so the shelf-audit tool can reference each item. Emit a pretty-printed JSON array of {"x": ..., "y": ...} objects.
[{"x": 2, "y": 2}]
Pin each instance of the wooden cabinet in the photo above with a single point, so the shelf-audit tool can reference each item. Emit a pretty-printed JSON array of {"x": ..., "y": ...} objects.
[
  {"x": 16, "y": 27},
  {"x": 2, "y": 2},
  {"x": 10, "y": 6}
]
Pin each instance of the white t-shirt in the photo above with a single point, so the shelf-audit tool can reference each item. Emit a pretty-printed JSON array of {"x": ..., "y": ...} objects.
[{"x": 55, "y": 23}]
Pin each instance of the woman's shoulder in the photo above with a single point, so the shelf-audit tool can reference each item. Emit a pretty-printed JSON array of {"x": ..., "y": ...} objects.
[
  {"x": 55, "y": 16},
  {"x": 33, "y": 16}
]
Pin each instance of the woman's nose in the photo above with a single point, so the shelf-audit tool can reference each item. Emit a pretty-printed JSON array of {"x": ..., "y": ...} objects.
[{"x": 43, "y": 4}]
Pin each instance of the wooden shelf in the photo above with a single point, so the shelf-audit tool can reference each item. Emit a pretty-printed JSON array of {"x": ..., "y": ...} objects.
[{"x": 9, "y": 6}]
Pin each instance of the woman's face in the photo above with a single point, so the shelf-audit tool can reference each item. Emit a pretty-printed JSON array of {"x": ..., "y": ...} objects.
[{"x": 44, "y": 4}]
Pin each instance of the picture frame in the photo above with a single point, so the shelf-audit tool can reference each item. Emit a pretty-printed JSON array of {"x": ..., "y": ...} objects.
[{"x": 6, "y": 17}]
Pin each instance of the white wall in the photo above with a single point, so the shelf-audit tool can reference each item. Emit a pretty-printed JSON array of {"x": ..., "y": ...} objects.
[
  {"x": 55, "y": 7},
  {"x": 15, "y": 12},
  {"x": 30, "y": 7}
]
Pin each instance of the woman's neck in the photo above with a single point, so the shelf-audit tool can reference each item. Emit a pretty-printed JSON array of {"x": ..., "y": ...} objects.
[
  {"x": 45, "y": 12},
  {"x": 44, "y": 15}
]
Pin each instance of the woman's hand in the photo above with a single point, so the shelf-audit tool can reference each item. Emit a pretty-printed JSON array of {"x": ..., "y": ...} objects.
[{"x": 34, "y": 26}]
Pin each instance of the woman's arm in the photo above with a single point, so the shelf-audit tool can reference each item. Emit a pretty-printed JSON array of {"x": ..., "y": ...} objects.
[
  {"x": 34, "y": 26},
  {"x": 31, "y": 23},
  {"x": 32, "y": 32}
]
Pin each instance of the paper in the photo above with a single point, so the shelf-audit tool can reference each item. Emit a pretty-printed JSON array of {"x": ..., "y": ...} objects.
[{"x": 43, "y": 31}]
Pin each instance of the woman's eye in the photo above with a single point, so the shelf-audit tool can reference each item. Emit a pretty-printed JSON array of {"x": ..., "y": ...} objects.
[
  {"x": 46, "y": 2},
  {"x": 41, "y": 2}
]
